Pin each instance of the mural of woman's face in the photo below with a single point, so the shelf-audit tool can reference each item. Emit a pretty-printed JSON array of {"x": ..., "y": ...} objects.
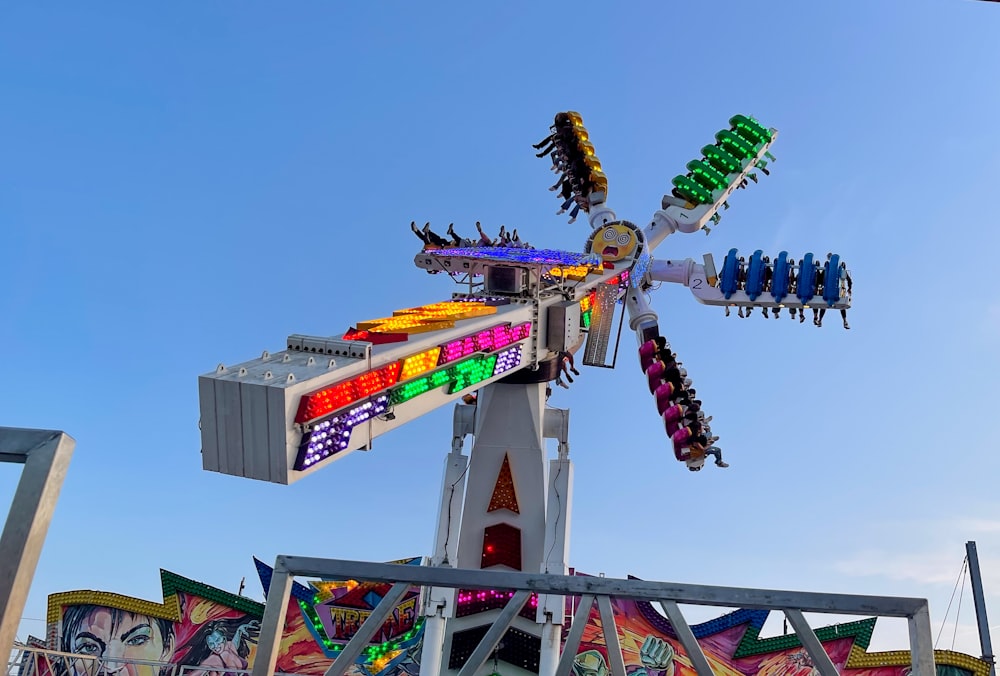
[
  {"x": 132, "y": 637},
  {"x": 216, "y": 642}
]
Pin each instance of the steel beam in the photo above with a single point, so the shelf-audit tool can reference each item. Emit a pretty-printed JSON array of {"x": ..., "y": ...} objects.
[
  {"x": 580, "y": 618},
  {"x": 46, "y": 455},
  {"x": 812, "y": 644},
  {"x": 615, "y": 658},
  {"x": 921, "y": 643},
  {"x": 975, "y": 577},
  {"x": 638, "y": 590},
  {"x": 349, "y": 655},
  {"x": 687, "y": 639},
  {"x": 279, "y": 593}
]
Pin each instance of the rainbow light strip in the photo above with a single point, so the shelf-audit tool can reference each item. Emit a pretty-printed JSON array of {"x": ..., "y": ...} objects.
[
  {"x": 340, "y": 395},
  {"x": 333, "y": 435},
  {"x": 515, "y": 255}
]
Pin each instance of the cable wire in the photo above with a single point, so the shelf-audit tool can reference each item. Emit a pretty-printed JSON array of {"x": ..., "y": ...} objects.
[{"x": 965, "y": 562}]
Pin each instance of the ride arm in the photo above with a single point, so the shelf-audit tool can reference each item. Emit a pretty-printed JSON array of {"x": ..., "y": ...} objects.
[
  {"x": 705, "y": 285},
  {"x": 680, "y": 214}
]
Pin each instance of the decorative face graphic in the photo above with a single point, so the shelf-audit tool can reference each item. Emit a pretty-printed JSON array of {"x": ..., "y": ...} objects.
[
  {"x": 614, "y": 242},
  {"x": 216, "y": 642},
  {"x": 117, "y": 638}
]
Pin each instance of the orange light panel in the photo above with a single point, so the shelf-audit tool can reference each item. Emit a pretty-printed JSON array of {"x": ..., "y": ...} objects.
[{"x": 416, "y": 364}]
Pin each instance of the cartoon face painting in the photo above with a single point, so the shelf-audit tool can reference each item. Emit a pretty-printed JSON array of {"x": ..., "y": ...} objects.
[{"x": 614, "y": 241}]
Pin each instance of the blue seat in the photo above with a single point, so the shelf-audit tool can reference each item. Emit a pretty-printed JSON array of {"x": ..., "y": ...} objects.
[
  {"x": 755, "y": 275},
  {"x": 780, "y": 281},
  {"x": 807, "y": 279},
  {"x": 729, "y": 283},
  {"x": 831, "y": 280}
]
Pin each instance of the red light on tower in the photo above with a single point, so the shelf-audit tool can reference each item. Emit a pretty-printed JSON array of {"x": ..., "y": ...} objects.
[{"x": 502, "y": 546}]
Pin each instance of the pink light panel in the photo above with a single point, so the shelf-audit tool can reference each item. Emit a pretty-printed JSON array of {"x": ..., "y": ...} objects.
[
  {"x": 481, "y": 595},
  {"x": 488, "y": 340}
]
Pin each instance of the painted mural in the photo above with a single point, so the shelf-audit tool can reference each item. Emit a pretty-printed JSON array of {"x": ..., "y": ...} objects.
[{"x": 199, "y": 630}]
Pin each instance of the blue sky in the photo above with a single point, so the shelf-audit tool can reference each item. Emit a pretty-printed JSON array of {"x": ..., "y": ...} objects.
[{"x": 186, "y": 185}]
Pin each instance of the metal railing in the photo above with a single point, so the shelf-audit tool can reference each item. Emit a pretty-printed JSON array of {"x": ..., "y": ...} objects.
[
  {"x": 31, "y": 661},
  {"x": 589, "y": 590}
]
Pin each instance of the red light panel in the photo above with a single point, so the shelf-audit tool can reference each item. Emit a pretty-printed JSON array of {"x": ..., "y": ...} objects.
[
  {"x": 335, "y": 397},
  {"x": 502, "y": 546}
]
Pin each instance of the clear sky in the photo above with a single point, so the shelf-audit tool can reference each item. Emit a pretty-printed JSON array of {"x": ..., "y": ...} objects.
[{"x": 188, "y": 183}]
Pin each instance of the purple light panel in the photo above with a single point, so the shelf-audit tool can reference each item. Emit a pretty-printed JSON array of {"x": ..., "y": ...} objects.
[
  {"x": 334, "y": 434},
  {"x": 515, "y": 255},
  {"x": 507, "y": 360}
]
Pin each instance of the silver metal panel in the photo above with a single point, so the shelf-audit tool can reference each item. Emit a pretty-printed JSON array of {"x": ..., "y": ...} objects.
[
  {"x": 207, "y": 423},
  {"x": 253, "y": 402},
  {"x": 563, "y": 327},
  {"x": 278, "y": 436},
  {"x": 229, "y": 414}
]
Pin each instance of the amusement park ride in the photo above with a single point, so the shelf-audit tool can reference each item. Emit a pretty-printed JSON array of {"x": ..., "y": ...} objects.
[{"x": 493, "y": 349}]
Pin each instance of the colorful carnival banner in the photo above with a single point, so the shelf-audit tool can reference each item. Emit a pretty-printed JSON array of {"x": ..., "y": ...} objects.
[{"x": 199, "y": 630}]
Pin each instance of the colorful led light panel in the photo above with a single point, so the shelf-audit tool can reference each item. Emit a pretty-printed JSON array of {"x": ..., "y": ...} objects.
[
  {"x": 507, "y": 360},
  {"x": 576, "y": 272},
  {"x": 406, "y": 323},
  {"x": 487, "y": 340},
  {"x": 457, "y": 349},
  {"x": 419, "y": 386},
  {"x": 419, "y": 363},
  {"x": 317, "y": 404},
  {"x": 333, "y": 435},
  {"x": 471, "y": 372},
  {"x": 640, "y": 268},
  {"x": 515, "y": 255},
  {"x": 473, "y": 601},
  {"x": 447, "y": 310},
  {"x": 521, "y": 331}
]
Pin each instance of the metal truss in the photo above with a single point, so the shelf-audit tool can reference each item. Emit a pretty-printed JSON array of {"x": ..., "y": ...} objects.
[{"x": 589, "y": 589}]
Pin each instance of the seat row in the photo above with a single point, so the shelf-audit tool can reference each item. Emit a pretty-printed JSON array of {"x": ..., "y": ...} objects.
[
  {"x": 678, "y": 405},
  {"x": 805, "y": 280}
]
